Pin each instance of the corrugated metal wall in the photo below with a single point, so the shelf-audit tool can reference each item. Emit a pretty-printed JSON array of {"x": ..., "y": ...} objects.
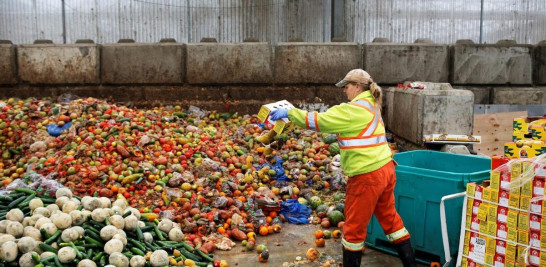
[
  {"x": 23, "y": 21},
  {"x": 107, "y": 21},
  {"x": 403, "y": 21},
  {"x": 515, "y": 19}
]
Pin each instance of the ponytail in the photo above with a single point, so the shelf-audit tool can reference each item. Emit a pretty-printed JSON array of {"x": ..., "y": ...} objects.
[{"x": 377, "y": 93}]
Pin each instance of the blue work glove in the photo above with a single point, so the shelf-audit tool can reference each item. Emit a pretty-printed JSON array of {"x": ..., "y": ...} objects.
[{"x": 279, "y": 114}]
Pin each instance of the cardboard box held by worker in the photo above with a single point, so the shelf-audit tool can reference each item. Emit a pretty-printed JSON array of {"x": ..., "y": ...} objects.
[{"x": 279, "y": 126}]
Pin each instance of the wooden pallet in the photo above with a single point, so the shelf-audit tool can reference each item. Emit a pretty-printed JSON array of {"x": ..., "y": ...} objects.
[{"x": 495, "y": 130}]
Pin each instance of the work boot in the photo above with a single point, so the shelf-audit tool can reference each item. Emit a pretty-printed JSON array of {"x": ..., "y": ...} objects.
[
  {"x": 405, "y": 252},
  {"x": 351, "y": 258}
]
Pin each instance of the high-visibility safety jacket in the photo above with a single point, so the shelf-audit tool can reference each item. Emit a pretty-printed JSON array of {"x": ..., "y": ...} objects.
[{"x": 361, "y": 132}]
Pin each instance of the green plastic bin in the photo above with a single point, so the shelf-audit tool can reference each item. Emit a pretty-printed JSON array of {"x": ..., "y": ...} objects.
[{"x": 423, "y": 178}]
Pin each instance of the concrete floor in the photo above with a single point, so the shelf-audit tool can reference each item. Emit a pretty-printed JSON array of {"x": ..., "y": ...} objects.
[{"x": 295, "y": 240}]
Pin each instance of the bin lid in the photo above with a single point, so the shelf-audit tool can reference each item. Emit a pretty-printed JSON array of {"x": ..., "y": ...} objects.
[{"x": 442, "y": 164}]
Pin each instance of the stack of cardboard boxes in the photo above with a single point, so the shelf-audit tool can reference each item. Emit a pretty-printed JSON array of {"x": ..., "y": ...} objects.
[
  {"x": 506, "y": 221},
  {"x": 528, "y": 138}
]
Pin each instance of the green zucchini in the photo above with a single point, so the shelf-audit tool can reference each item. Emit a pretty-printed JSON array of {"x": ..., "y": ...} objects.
[
  {"x": 138, "y": 244},
  {"x": 92, "y": 234},
  {"x": 46, "y": 247},
  {"x": 89, "y": 253},
  {"x": 16, "y": 202},
  {"x": 204, "y": 256},
  {"x": 93, "y": 241},
  {"x": 158, "y": 233},
  {"x": 48, "y": 258},
  {"x": 26, "y": 201},
  {"x": 126, "y": 214},
  {"x": 137, "y": 251},
  {"x": 139, "y": 234},
  {"x": 53, "y": 237},
  {"x": 98, "y": 256},
  {"x": 189, "y": 255},
  {"x": 35, "y": 257},
  {"x": 24, "y": 190}
]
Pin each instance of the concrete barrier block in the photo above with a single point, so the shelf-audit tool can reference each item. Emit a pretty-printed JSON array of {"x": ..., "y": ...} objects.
[
  {"x": 136, "y": 63},
  {"x": 481, "y": 94},
  {"x": 8, "y": 71},
  {"x": 518, "y": 95},
  {"x": 491, "y": 64},
  {"x": 412, "y": 113},
  {"x": 126, "y": 95},
  {"x": 540, "y": 63},
  {"x": 58, "y": 64},
  {"x": 186, "y": 92},
  {"x": 42, "y": 41},
  {"x": 269, "y": 94},
  {"x": 390, "y": 63},
  {"x": 223, "y": 63},
  {"x": 315, "y": 63},
  {"x": 330, "y": 95},
  {"x": 26, "y": 91}
]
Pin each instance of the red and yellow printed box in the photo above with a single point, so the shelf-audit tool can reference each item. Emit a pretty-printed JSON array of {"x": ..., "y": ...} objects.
[
  {"x": 506, "y": 222},
  {"x": 525, "y": 125}
]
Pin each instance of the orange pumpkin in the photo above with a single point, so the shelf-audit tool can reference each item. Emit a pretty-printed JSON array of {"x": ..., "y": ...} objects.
[
  {"x": 319, "y": 234},
  {"x": 336, "y": 234},
  {"x": 277, "y": 228},
  {"x": 312, "y": 254},
  {"x": 320, "y": 242},
  {"x": 263, "y": 230}
]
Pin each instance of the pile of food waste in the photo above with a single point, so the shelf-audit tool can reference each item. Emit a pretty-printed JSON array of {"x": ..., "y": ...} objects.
[{"x": 211, "y": 174}]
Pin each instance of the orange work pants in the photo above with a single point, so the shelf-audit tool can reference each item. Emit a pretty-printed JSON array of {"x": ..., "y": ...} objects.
[{"x": 367, "y": 194}]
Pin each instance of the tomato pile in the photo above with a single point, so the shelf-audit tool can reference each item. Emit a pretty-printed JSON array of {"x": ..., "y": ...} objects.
[{"x": 205, "y": 170}]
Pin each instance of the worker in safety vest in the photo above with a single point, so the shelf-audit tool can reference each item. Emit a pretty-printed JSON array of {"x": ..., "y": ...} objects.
[{"x": 366, "y": 158}]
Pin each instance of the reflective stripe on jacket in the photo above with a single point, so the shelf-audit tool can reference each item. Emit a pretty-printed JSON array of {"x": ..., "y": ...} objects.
[{"x": 363, "y": 146}]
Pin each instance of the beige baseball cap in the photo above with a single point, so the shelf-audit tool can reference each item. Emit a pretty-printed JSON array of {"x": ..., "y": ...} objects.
[{"x": 355, "y": 76}]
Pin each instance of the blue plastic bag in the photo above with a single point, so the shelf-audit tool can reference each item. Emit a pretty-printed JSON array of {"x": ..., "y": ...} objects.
[
  {"x": 280, "y": 176},
  {"x": 56, "y": 130},
  {"x": 295, "y": 212}
]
